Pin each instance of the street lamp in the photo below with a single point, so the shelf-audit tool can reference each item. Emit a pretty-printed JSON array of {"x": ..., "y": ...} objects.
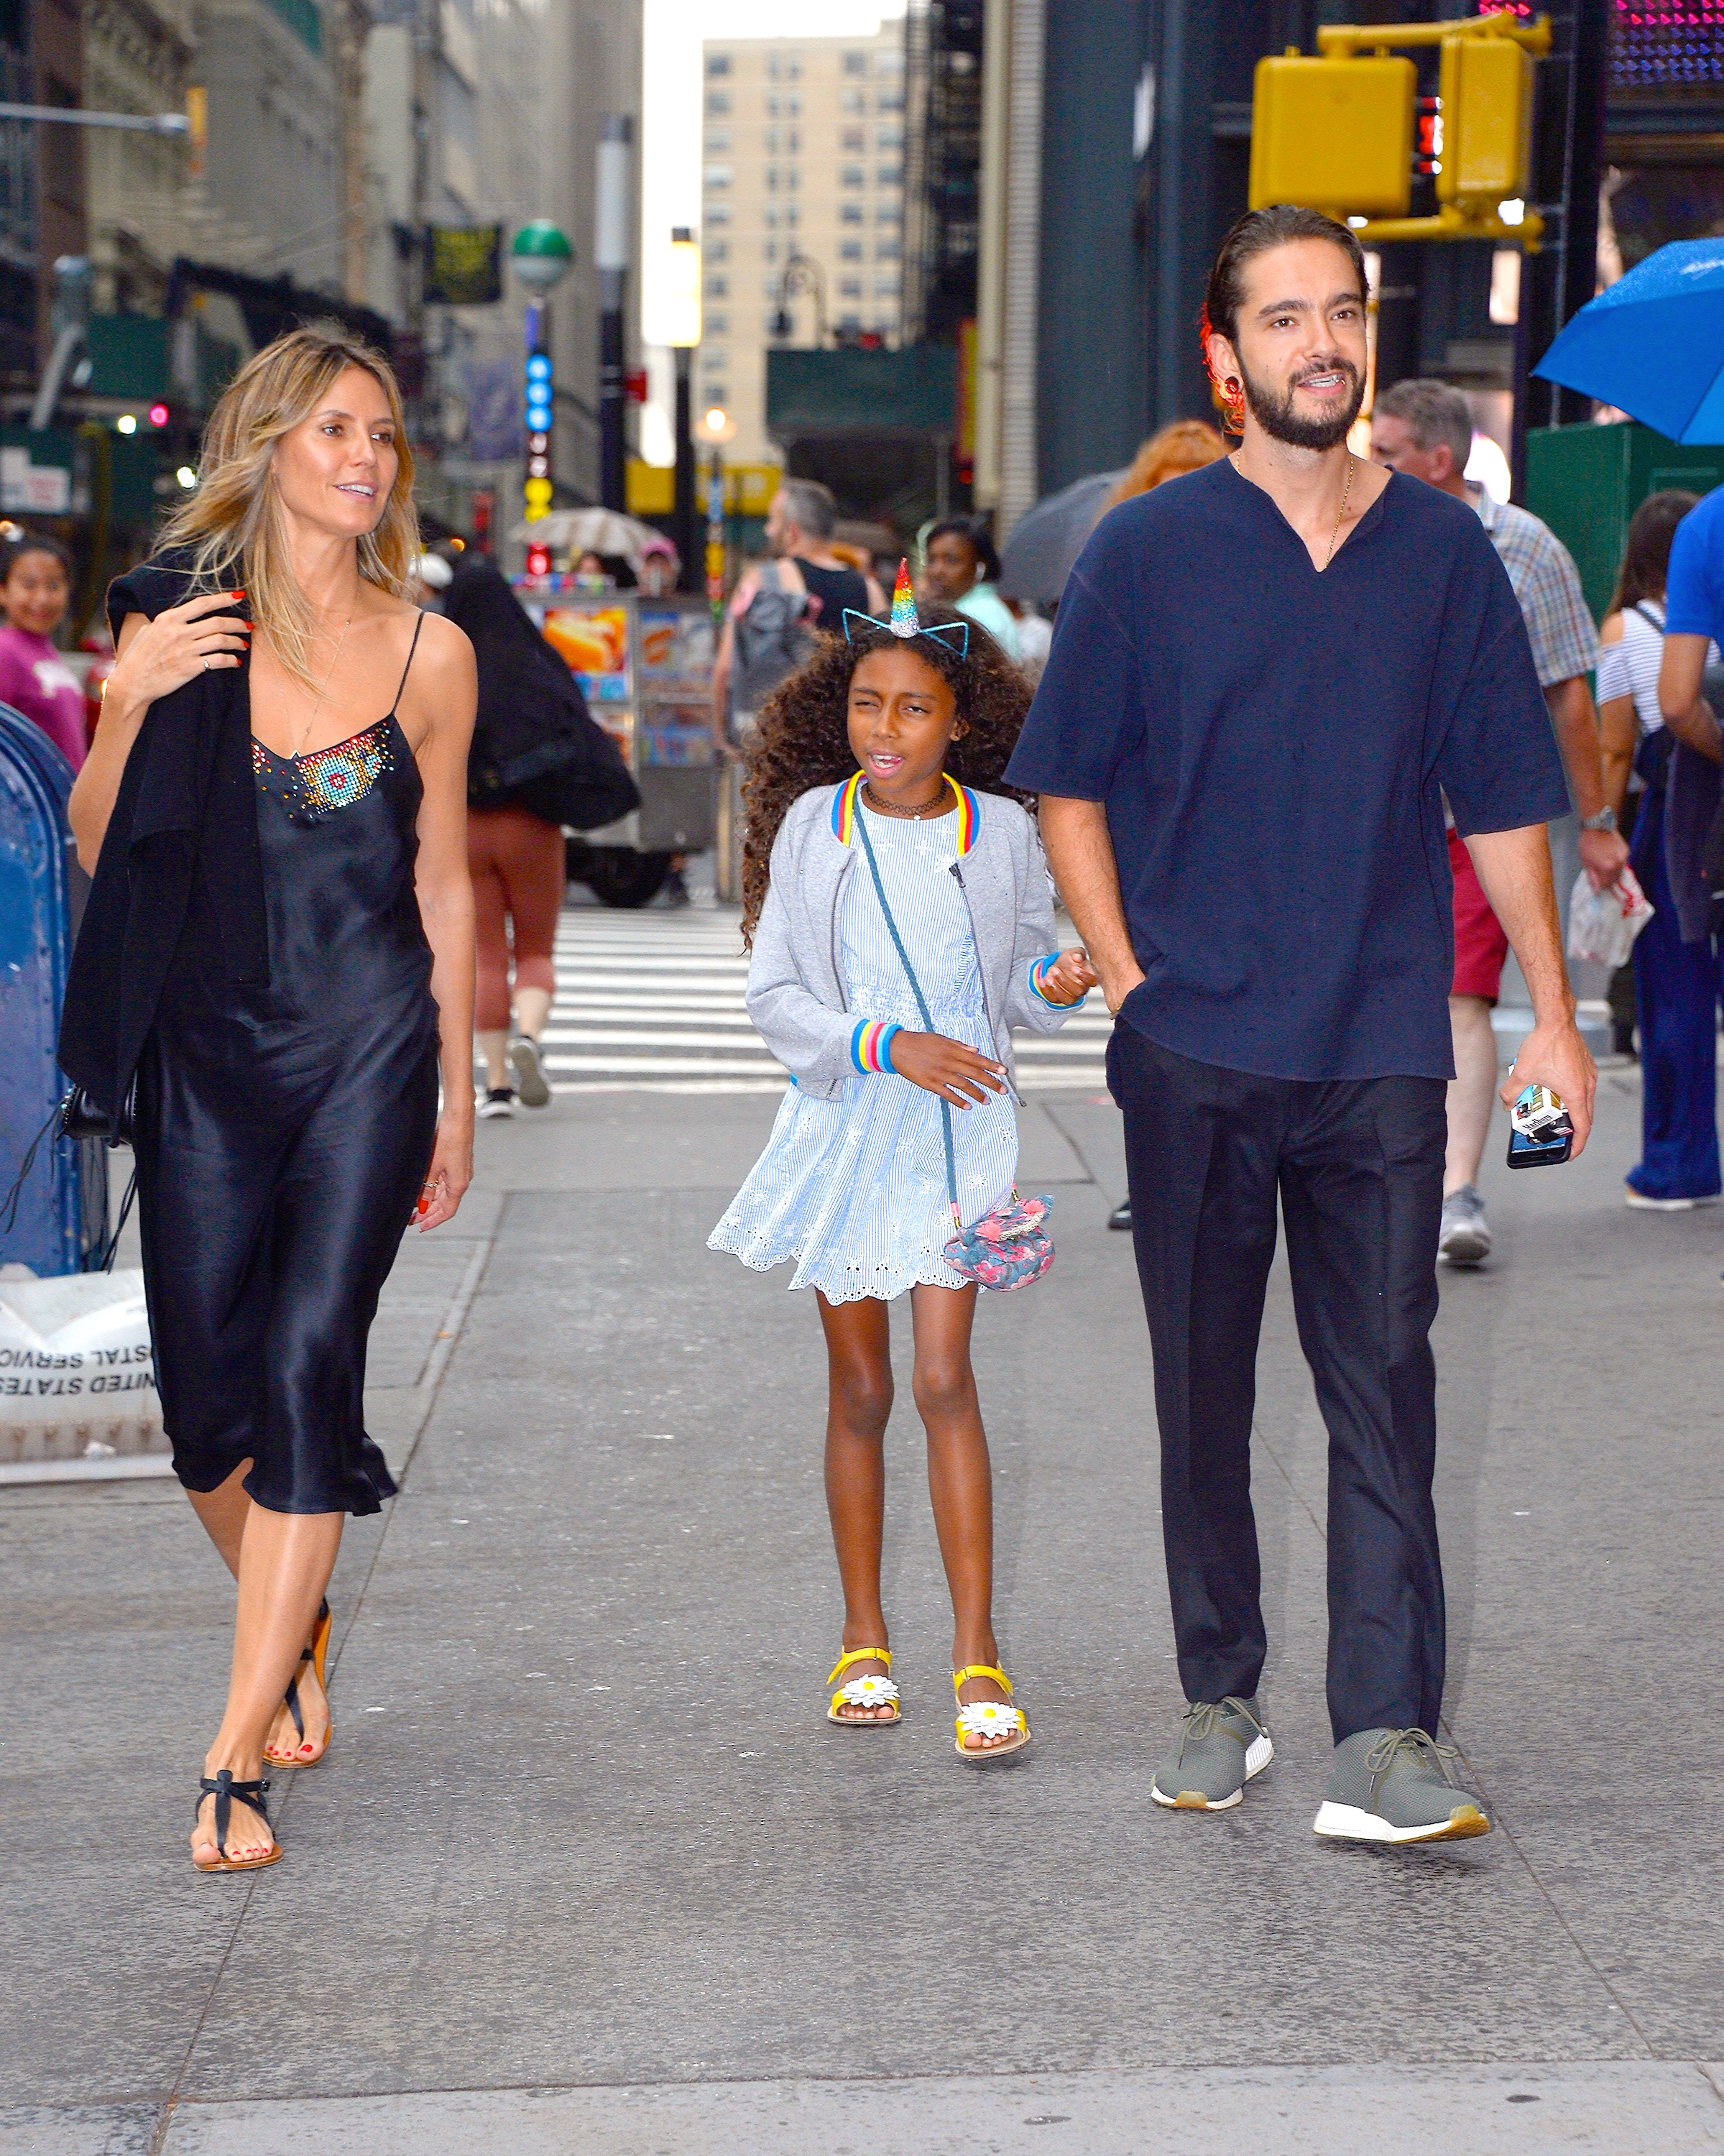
[
  {"x": 715, "y": 427},
  {"x": 683, "y": 295},
  {"x": 541, "y": 255},
  {"x": 802, "y": 273}
]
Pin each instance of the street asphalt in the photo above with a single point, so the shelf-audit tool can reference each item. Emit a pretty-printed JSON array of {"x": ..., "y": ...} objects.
[{"x": 585, "y": 1869}]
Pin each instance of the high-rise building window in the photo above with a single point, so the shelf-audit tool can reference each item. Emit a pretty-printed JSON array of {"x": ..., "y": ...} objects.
[
  {"x": 784, "y": 67},
  {"x": 718, "y": 139},
  {"x": 891, "y": 176},
  {"x": 888, "y": 138},
  {"x": 717, "y": 392},
  {"x": 717, "y": 288},
  {"x": 855, "y": 63},
  {"x": 718, "y": 250},
  {"x": 718, "y": 63},
  {"x": 716, "y": 176},
  {"x": 849, "y": 213},
  {"x": 713, "y": 325},
  {"x": 849, "y": 288},
  {"x": 850, "y": 251},
  {"x": 853, "y": 138},
  {"x": 885, "y": 287},
  {"x": 718, "y": 213},
  {"x": 884, "y": 250},
  {"x": 852, "y": 176},
  {"x": 718, "y": 102},
  {"x": 852, "y": 100}
]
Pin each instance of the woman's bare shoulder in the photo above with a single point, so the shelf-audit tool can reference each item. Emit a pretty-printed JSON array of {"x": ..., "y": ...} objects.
[
  {"x": 1611, "y": 633},
  {"x": 444, "y": 646}
]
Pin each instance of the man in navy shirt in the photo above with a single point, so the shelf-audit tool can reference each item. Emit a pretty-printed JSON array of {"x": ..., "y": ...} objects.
[{"x": 1264, "y": 676}]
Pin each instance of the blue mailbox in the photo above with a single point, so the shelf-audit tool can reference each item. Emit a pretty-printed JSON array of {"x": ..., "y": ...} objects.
[{"x": 60, "y": 1224}]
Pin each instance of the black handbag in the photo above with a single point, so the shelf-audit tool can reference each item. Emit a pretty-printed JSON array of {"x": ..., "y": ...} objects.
[{"x": 78, "y": 1117}]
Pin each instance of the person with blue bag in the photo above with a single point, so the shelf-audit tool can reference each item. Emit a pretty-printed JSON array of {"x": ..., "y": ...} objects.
[{"x": 900, "y": 916}]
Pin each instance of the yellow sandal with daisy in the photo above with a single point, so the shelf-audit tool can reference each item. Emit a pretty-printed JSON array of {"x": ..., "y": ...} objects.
[
  {"x": 988, "y": 1717},
  {"x": 870, "y": 1691}
]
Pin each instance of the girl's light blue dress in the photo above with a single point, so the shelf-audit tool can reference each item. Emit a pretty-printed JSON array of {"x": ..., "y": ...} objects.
[{"x": 855, "y": 1189}]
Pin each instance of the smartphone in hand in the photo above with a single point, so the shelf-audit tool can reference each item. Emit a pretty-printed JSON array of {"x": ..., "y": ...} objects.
[{"x": 1540, "y": 1131}]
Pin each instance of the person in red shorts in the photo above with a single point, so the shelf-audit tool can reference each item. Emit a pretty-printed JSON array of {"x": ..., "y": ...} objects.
[{"x": 1425, "y": 430}]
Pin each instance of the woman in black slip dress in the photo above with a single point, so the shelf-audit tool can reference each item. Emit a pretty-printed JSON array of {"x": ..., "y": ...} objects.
[{"x": 275, "y": 968}]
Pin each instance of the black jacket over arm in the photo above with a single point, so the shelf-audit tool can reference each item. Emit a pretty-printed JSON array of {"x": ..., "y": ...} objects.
[{"x": 186, "y": 809}]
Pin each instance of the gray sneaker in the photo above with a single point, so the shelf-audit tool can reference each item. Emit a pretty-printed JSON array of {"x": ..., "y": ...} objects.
[
  {"x": 1221, "y": 1747},
  {"x": 528, "y": 1066},
  {"x": 1466, "y": 1237},
  {"x": 1394, "y": 1785}
]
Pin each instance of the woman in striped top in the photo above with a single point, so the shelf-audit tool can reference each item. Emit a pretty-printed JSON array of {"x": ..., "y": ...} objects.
[{"x": 854, "y": 1184}]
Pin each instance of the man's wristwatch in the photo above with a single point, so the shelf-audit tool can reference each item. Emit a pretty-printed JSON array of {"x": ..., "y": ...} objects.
[{"x": 1605, "y": 820}]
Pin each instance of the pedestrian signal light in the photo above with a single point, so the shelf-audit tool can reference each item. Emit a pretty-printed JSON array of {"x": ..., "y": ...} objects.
[
  {"x": 1487, "y": 101},
  {"x": 1333, "y": 135}
]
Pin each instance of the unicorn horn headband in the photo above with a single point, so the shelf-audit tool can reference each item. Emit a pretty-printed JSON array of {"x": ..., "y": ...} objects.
[{"x": 902, "y": 621}]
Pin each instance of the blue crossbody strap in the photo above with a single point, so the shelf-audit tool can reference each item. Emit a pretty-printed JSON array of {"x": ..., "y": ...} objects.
[{"x": 921, "y": 1004}]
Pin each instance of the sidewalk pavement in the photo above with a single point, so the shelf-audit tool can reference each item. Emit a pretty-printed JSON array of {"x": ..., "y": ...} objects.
[{"x": 585, "y": 1869}]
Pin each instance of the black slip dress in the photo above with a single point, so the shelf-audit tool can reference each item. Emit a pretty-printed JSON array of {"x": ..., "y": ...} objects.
[{"x": 284, "y": 1133}]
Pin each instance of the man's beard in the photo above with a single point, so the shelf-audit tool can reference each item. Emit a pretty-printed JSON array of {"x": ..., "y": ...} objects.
[{"x": 1277, "y": 417}]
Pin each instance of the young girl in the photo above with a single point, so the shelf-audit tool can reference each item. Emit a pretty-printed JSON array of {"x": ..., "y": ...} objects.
[
  {"x": 35, "y": 590},
  {"x": 860, "y": 782}
]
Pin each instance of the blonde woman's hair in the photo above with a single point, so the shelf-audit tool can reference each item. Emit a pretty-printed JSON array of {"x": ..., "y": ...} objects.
[{"x": 232, "y": 524}]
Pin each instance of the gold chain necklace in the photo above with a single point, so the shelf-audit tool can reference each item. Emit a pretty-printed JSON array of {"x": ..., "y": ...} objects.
[
  {"x": 886, "y": 807},
  {"x": 1346, "y": 497},
  {"x": 317, "y": 702}
]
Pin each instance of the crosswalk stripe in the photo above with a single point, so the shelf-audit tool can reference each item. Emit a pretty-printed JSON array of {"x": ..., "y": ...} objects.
[{"x": 653, "y": 1002}]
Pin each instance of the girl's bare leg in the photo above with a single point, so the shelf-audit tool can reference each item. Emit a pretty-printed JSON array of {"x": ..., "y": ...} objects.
[
  {"x": 285, "y": 1560},
  {"x": 859, "y": 1357},
  {"x": 223, "y": 1512},
  {"x": 960, "y": 1478}
]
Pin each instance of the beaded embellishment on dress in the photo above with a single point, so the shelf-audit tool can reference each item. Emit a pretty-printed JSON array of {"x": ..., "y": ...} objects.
[{"x": 316, "y": 786}]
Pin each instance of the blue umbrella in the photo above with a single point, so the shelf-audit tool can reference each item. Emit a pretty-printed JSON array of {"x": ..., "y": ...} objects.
[{"x": 1653, "y": 344}]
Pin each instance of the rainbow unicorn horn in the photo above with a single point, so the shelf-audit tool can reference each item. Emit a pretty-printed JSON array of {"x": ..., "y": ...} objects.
[{"x": 904, "y": 621}]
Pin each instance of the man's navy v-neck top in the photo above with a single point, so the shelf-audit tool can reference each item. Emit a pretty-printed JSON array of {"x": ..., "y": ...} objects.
[{"x": 1271, "y": 744}]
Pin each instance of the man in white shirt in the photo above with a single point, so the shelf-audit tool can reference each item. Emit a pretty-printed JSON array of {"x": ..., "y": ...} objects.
[{"x": 1425, "y": 430}]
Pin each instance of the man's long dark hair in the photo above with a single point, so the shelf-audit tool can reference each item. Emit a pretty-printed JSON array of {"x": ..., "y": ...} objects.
[
  {"x": 1254, "y": 233},
  {"x": 1646, "y": 556}
]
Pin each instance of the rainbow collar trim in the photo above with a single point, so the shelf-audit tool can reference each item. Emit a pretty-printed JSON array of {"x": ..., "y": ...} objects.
[{"x": 845, "y": 810}]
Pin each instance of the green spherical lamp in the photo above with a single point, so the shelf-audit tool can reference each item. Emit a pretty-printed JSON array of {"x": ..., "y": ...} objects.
[{"x": 542, "y": 255}]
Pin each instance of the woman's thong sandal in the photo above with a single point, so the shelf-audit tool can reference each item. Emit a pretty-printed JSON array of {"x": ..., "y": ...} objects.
[
  {"x": 314, "y": 1653},
  {"x": 871, "y": 1691},
  {"x": 989, "y": 1718},
  {"x": 222, "y": 1787}
]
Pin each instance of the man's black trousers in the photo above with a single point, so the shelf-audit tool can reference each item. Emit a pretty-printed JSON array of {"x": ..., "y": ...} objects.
[{"x": 1358, "y": 1168}]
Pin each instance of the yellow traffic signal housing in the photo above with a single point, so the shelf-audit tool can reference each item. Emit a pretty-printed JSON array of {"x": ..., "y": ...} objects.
[
  {"x": 1333, "y": 135},
  {"x": 1486, "y": 88}
]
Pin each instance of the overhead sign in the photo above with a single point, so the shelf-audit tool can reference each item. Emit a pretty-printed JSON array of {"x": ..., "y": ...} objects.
[{"x": 463, "y": 264}]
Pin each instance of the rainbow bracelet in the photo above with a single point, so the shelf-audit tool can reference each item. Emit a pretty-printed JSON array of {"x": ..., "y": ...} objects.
[
  {"x": 871, "y": 1046},
  {"x": 1038, "y": 970}
]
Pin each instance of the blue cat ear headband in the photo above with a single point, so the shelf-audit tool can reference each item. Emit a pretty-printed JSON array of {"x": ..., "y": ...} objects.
[{"x": 903, "y": 622}]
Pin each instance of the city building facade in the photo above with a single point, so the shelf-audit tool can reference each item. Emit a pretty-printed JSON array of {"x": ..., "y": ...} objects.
[{"x": 802, "y": 195}]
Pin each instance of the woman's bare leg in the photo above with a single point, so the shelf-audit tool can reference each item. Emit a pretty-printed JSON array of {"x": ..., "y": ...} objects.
[
  {"x": 223, "y": 1512},
  {"x": 285, "y": 1560},
  {"x": 960, "y": 1478},
  {"x": 532, "y": 1006},
  {"x": 859, "y": 1356}
]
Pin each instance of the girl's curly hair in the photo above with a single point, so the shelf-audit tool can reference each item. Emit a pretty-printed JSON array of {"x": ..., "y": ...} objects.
[{"x": 802, "y": 739}]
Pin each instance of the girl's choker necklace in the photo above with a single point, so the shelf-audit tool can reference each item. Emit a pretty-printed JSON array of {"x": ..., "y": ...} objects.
[{"x": 887, "y": 809}]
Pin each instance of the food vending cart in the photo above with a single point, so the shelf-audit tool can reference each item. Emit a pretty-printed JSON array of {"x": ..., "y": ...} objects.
[{"x": 646, "y": 668}]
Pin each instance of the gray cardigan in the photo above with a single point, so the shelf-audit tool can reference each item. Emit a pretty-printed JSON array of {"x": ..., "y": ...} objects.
[{"x": 797, "y": 994}]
